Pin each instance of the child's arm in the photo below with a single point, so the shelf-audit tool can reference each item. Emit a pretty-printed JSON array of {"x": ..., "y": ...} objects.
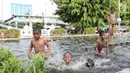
[
  {"x": 48, "y": 47},
  {"x": 30, "y": 49},
  {"x": 107, "y": 48},
  {"x": 96, "y": 47},
  {"x": 105, "y": 17}
]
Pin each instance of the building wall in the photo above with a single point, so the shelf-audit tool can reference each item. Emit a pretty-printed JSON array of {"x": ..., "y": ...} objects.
[{"x": 39, "y": 7}]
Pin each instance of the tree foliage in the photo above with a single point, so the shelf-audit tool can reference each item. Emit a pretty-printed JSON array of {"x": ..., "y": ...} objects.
[
  {"x": 38, "y": 24},
  {"x": 83, "y": 13},
  {"x": 124, "y": 8}
]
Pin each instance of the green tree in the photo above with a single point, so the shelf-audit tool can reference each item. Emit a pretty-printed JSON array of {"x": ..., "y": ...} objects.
[
  {"x": 124, "y": 8},
  {"x": 83, "y": 13},
  {"x": 38, "y": 24}
]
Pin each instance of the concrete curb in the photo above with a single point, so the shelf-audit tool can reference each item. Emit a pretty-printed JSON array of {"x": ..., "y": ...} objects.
[{"x": 6, "y": 39}]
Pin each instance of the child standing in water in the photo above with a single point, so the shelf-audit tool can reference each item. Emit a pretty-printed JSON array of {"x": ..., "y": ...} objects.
[
  {"x": 38, "y": 43},
  {"x": 112, "y": 21},
  {"x": 101, "y": 43}
]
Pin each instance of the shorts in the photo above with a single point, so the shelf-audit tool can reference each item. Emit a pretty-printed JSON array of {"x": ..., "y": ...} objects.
[{"x": 99, "y": 51}]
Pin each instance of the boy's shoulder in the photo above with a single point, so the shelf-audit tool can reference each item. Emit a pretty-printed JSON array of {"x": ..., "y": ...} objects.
[
  {"x": 98, "y": 40},
  {"x": 43, "y": 37},
  {"x": 112, "y": 13},
  {"x": 32, "y": 39}
]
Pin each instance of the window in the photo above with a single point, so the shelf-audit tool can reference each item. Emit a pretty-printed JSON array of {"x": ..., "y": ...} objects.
[
  {"x": 16, "y": 5},
  {"x": 24, "y": 5}
]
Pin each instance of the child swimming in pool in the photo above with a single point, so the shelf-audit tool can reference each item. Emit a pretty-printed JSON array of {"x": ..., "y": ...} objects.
[
  {"x": 101, "y": 43},
  {"x": 90, "y": 63},
  {"x": 67, "y": 58},
  {"x": 38, "y": 43}
]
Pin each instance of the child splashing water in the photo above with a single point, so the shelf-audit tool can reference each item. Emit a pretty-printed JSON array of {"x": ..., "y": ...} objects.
[
  {"x": 112, "y": 21},
  {"x": 101, "y": 43},
  {"x": 38, "y": 43},
  {"x": 67, "y": 58}
]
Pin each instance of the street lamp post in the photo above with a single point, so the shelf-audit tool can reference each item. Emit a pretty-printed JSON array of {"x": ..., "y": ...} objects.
[
  {"x": 110, "y": 3},
  {"x": 2, "y": 12},
  {"x": 52, "y": 14},
  {"x": 119, "y": 19},
  {"x": 30, "y": 24},
  {"x": 52, "y": 11}
]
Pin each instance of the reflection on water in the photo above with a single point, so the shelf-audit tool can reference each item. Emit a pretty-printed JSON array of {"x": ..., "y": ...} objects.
[{"x": 81, "y": 48}]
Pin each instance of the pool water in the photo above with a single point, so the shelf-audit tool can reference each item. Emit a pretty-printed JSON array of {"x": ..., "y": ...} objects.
[{"x": 81, "y": 48}]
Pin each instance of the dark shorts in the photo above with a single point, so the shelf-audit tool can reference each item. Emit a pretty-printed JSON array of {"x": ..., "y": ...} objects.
[{"x": 98, "y": 49}]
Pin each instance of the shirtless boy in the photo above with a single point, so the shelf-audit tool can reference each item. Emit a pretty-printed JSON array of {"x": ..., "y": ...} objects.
[
  {"x": 38, "y": 43},
  {"x": 101, "y": 43},
  {"x": 112, "y": 21}
]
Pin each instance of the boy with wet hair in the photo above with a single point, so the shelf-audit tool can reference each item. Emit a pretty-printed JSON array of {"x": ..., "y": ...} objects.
[
  {"x": 90, "y": 63},
  {"x": 112, "y": 22},
  {"x": 67, "y": 58},
  {"x": 38, "y": 43},
  {"x": 101, "y": 43}
]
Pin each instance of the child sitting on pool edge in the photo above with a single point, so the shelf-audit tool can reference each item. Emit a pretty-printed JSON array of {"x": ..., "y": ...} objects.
[
  {"x": 101, "y": 43},
  {"x": 67, "y": 58}
]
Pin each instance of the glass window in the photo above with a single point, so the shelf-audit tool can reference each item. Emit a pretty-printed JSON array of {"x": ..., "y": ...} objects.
[
  {"x": 28, "y": 6},
  {"x": 20, "y": 13},
  {"x": 11, "y": 4},
  {"x": 16, "y": 5},
  {"x": 22, "y": 5}
]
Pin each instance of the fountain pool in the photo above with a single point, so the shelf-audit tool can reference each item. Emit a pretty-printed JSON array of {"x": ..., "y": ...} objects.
[{"x": 81, "y": 49}]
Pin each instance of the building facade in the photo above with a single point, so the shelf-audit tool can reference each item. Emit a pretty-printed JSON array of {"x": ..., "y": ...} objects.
[
  {"x": 21, "y": 9},
  {"x": 24, "y": 7}
]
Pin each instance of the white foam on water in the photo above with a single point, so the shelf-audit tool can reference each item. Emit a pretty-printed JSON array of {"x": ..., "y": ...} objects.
[
  {"x": 55, "y": 61},
  {"x": 124, "y": 71},
  {"x": 78, "y": 64},
  {"x": 99, "y": 61}
]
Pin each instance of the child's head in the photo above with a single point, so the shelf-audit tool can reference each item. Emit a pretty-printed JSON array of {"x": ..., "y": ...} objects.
[
  {"x": 112, "y": 9},
  {"x": 102, "y": 34},
  {"x": 36, "y": 33},
  {"x": 90, "y": 63},
  {"x": 67, "y": 58}
]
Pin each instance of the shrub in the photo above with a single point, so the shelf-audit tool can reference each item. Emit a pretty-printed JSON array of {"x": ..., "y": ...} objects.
[
  {"x": 89, "y": 31},
  {"x": 115, "y": 30},
  {"x": 37, "y": 65},
  {"x": 10, "y": 64},
  {"x": 38, "y": 24},
  {"x": 5, "y": 54},
  {"x": 9, "y": 33},
  {"x": 128, "y": 30},
  {"x": 58, "y": 31}
]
